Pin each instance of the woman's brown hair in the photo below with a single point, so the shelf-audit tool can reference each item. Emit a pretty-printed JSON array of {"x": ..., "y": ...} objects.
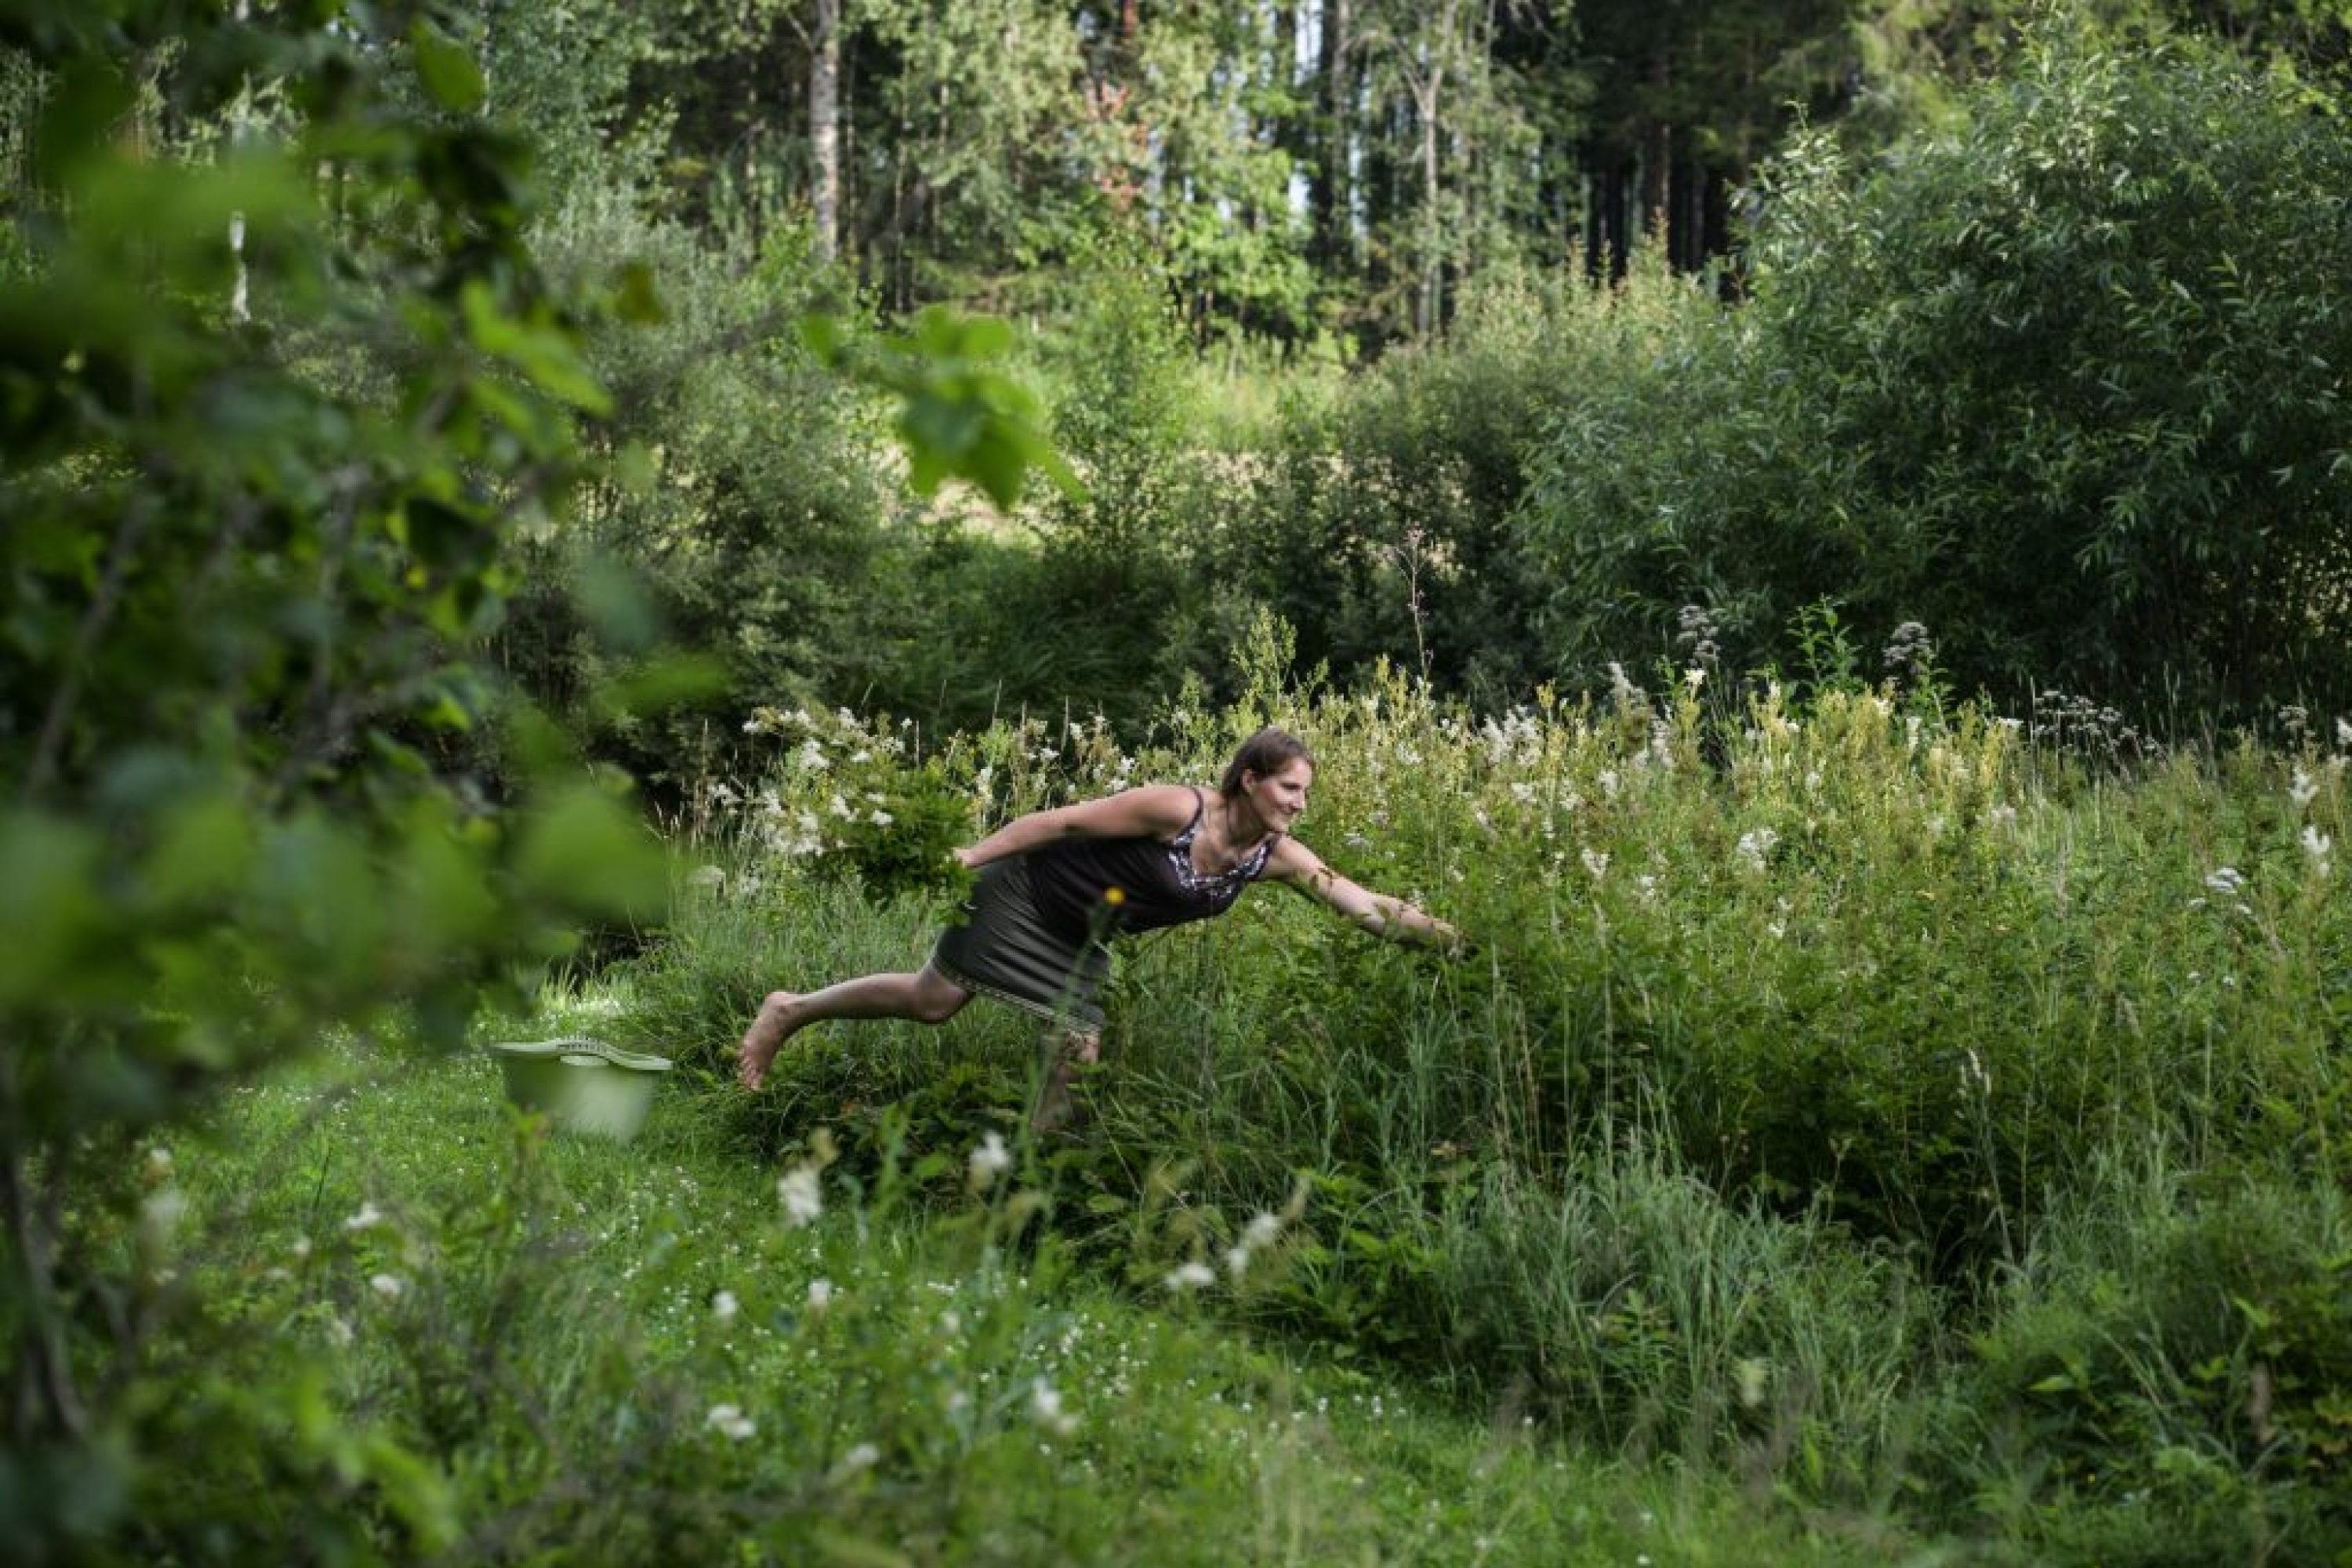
[{"x": 1265, "y": 753}]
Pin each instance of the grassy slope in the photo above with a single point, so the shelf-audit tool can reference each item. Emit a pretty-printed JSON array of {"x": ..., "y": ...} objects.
[{"x": 552, "y": 1347}]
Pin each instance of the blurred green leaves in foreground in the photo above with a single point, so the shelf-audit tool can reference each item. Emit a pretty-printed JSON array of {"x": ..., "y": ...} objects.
[{"x": 279, "y": 377}]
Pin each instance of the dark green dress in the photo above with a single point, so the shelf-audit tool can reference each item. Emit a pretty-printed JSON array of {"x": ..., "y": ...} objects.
[{"x": 1039, "y": 924}]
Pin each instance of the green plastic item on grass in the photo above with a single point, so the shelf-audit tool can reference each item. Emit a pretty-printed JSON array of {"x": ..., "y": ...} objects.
[{"x": 582, "y": 1084}]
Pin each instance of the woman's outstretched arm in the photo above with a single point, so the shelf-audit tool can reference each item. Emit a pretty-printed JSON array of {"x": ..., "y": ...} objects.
[
  {"x": 1297, "y": 866},
  {"x": 1152, "y": 811}
]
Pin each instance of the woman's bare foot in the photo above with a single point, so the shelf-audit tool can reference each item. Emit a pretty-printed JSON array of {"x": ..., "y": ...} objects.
[{"x": 767, "y": 1035}]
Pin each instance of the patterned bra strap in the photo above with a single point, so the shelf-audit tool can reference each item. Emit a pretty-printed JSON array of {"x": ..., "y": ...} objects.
[
  {"x": 1200, "y": 815},
  {"x": 1255, "y": 866}
]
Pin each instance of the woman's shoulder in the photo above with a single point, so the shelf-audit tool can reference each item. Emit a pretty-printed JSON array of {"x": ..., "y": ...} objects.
[
  {"x": 1146, "y": 811},
  {"x": 1289, "y": 860}
]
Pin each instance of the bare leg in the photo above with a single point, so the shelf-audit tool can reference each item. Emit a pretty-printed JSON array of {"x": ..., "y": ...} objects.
[
  {"x": 1072, "y": 1052},
  {"x": 925, "y": 996}
]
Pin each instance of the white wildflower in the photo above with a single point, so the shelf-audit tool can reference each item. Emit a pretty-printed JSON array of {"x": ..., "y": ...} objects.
[
  {"x": 340, "y": 1333},
  {"x": 2302, "y": 790},
  {"x": 802, "y": 1199},
  {"x": 862, "y": 1458},
  {"x": 2343, "y": 731},
  {"x": 707, "y": 877},
  {"x": 723, "y": 1305},
  {"x": 160, "y": 1215},
  {"x": 367, "y": 1217},
  {"x": 990, "y": 1160},
  {"x": 2225, "y": 881},
  {"x": 1595, "y": 861},
  {"x": 1755, "y": 845},
  {"x": 1694, "y": 677},
  {"x": 1191, "y": 1277},
  {"x": 1973, "y": 1075},
  {"x": 1262, "y": 1231},
  {"x": 812, "y": 758},
  {"x": 820, "y": 1295},
  {"x": 388, "y": 1286},
  {"x": 2002, "y": 816},
  {"x": 730, "y": 1421},
  {"x": 881, "y": 817},
  {"x": 1237, "y": 1261},
  {"x": 1752, "y": 1374},
  {"x": 2316, "y": 845},
  {"x": 1046, "y": 1409},
  {"x": 159, "y": 1162},
  {"x": 299, "y": 1248}
]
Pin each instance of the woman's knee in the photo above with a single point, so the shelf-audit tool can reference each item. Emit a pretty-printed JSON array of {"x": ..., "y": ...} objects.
[{"x": 937, "y": 998}]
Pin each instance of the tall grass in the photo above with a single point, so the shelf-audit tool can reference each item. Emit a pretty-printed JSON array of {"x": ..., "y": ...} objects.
[{"x": 1793, "y": 1037}]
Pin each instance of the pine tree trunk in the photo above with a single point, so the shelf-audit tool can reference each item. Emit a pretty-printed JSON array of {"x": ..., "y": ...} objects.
[
  {"x": 1331, "y": 188},
  {"x": 1657, "y": 159}
]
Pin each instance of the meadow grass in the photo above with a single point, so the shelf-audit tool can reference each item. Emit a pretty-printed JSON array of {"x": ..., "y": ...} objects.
[{"x": 608, "y": 1352}]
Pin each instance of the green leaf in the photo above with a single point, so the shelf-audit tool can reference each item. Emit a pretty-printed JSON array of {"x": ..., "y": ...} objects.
[
  {"x": 202, "y": 851},
  {"x": 634, "y": 298},
  {"x": 585, "y": 852},
  {"x": 542, "y": 350},
  {"x": 49, "y": 901},
  {"x": 446, "y": 68}
]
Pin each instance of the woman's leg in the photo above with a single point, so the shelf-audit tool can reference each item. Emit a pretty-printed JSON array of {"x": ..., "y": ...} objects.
[
  {"x": 1069, "y": 1053},
  {"x": 925, "y": 996}
]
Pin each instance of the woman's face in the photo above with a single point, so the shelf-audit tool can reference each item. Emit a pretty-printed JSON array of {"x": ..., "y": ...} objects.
[{"x": 1279, "y": 796}]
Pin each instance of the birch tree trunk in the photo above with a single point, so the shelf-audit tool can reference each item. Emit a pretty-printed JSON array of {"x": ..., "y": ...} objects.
[{"x": 825, "y": 127}]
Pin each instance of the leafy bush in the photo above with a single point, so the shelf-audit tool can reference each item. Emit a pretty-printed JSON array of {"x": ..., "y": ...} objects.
[
  {"x": 2063, "y": 381},
  {"x": 746, "y": 502},
  {"x": 1381, "y": 526},
  {"x": 246, "y": 569},
  {"x": 2182, "y": 1350}
]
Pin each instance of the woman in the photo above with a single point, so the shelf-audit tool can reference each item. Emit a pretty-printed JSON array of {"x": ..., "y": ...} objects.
[{"x": 1054, "y": 884}]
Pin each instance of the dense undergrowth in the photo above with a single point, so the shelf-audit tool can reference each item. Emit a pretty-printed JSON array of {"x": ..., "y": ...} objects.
[{"x": 1897, "y": 1104}]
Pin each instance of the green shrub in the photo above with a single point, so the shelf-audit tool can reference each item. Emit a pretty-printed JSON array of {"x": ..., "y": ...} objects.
[
  {"x": 2181, "y": 1346},
  {"x": 2063, "y": 380},
  {"x": 1382, "y": 524}
]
